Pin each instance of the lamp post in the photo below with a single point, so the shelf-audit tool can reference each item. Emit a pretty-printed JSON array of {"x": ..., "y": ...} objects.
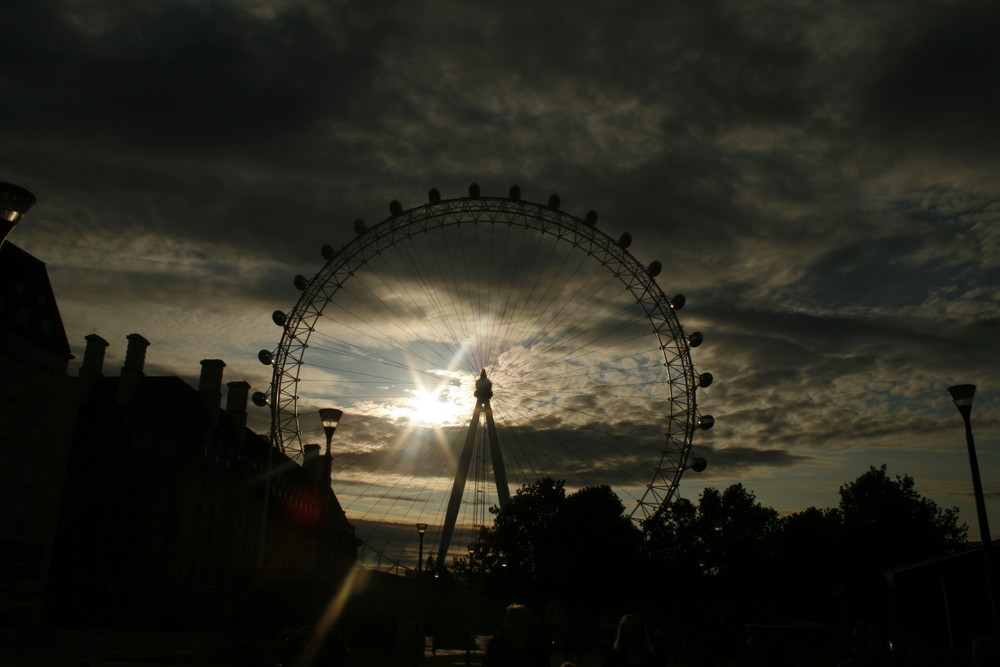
[
  {"x": 15, "y": 201},
  {"x": 421, "y": 529},
  {"x": 330, "y": 418},
  {"x": 962, "y": 395}
]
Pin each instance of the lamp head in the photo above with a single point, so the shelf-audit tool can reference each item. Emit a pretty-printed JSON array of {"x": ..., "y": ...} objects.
[
  {"x": 330, "y": 418},
  {"x": 15, "y": 201},
  {"x": 963, "y": 394},
  {"x": 421, "y": 528}
]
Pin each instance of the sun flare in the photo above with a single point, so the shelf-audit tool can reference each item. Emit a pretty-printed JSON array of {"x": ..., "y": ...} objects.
[{"x": 445, "y": 406}]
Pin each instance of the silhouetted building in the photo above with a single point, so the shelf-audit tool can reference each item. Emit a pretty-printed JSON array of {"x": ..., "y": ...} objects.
[
  {"x": 164, "y": 509},
  {"x": 138, "y": 502},
  {"x": 37, "y": 408},
  {"x": 942, "y": 603}
]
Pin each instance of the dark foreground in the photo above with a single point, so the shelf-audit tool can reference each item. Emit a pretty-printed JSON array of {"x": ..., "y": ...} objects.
[
  {"x": 789, "y": 657},
  {"x": 445, "y": 659}
]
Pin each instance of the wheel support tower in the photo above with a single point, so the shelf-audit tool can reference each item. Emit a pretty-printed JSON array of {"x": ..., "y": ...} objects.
[{"x": 484, "y": 392}]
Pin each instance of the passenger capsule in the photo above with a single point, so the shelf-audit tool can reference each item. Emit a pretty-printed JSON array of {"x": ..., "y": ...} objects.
[
  {"x": 699, "y": 464},
  {"x": 591, "y": 218},
  {"x": 474, "y": 191},
  {"x": 259, "y": 399},
  {"x": 554, "y": 202},
  {"x": 625, "y": 240},
  {"x": 327, "y": 251},
  {"x": 705, "y": 379},
  {"x": 433, "y": 196},
  {"x": 678, "y": 301},
  {"x": 300, "y": 282},
  {"x": 515, "y": 193},
  {"x": 696, "y": 339},
  {"x": 706, "y": 422},
  {"x": 265, "y": 357},
  {"x": 360, "y": 227},
  {"x": 279, "y": 318},
  {"x": 654, "y": 269},
  {"x": 395, "y": 207}
]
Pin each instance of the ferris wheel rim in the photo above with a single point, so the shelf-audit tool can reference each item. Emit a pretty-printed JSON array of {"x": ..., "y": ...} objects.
[{"x": 340, "y": 265}]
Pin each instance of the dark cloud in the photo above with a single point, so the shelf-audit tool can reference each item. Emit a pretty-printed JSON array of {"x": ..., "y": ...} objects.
[
  {"x": 939, "y": 89},
  {"x": 735, "y": 461}
]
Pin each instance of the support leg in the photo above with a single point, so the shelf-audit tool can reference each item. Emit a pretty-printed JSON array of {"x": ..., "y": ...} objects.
[{"x": 458, "y": 488}]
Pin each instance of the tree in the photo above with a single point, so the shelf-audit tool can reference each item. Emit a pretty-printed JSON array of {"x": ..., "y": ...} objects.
[
  {"x": 889, "y": 523},
  {"x": 809, "y": 564},
  {"x": 545, "y": 544}
]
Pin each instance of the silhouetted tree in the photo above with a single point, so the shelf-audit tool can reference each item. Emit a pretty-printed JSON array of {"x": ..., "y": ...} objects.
[
  {"x": 830, "y": 562},
  {"x": 545, "y": 545},
  {"x": 731, "y": 559},
  {"x": 724, "y": 533},
  {"x": 592, "y": 549},
  {"x": 888, "y": 523},
  {"x": 809, "y": 564},
  {"x": 503, "y": 558}
]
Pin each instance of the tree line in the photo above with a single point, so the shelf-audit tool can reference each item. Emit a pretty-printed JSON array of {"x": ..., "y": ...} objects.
[{"x": 725, "y": 559}]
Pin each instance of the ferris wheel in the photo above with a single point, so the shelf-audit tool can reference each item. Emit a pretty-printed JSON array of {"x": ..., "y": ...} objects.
[{"x": 476, "y": 345}]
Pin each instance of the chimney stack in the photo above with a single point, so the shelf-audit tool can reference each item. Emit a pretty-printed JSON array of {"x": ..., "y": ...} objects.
[
  {"x": 236, "y": 406},
  {"x": 210, "y": 386},
  {"x": 135, "y": 359},
  {"x": 93, "y": 359},
  {"x": 311, "y": 463}
]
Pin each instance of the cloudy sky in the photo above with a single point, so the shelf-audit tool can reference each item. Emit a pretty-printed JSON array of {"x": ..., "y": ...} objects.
[{"x": 819, "y": 179}]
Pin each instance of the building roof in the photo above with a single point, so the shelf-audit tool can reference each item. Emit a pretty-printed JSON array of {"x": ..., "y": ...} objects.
[{"x": 28, "y": 306}]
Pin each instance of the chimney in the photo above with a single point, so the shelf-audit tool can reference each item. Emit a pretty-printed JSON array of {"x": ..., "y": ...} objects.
[
  {"x": 236, "y": 406},
  {"x": 311, "y": 463},
  {"x": 210, "y": 386},
  {"x": 135, "y": 359},
  {"x": 93, "y": 359}
]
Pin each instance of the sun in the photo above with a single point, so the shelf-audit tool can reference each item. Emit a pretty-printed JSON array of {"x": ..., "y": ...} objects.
[{"x": 443, "y": 406}]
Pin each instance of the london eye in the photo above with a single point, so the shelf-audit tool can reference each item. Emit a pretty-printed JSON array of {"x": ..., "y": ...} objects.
[{"x": 589, "y": 371}]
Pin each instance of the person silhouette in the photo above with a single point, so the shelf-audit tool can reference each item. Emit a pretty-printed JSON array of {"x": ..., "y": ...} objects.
[
  {"x": 516, "y": 644},
  {"x": 632, "y": 647}
]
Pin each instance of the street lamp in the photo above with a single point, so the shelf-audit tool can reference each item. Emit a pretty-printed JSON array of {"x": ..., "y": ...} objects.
[
  {"x": 963, "y": 394},
  {"x": 421, "y": 529},
  {"x": 15, "y": 201},
  {"x": 330, "y": 418}
]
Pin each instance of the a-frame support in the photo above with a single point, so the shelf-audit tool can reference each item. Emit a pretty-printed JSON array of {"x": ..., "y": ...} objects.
[{"x": 484, "y": 392}]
